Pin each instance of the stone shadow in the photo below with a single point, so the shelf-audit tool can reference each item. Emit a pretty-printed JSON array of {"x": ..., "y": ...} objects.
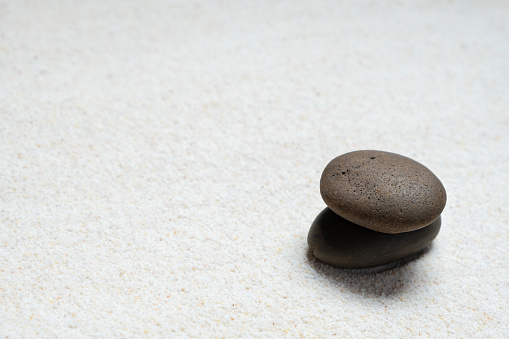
[{"x": 387, "y": 280}]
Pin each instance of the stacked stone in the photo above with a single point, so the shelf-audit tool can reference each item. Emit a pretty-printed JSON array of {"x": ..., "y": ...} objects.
[{"x": 382, "y": 207}]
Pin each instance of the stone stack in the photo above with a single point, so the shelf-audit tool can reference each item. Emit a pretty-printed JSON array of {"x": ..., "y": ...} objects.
[{"x": 382, "y": 207}]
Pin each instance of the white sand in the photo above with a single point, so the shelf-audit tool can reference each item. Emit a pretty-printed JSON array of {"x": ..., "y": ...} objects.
[{"x": 160, "y": 165}]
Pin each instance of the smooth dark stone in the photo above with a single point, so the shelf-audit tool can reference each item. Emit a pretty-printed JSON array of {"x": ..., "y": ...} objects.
[
  {"x": 383, "y": 191},
  {"x": 340, "y": 243}
]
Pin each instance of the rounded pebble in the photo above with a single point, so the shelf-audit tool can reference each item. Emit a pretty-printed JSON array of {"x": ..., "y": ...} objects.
[
  {"x": 385, "y": 192},
  {"x": 340, "y": 243}
]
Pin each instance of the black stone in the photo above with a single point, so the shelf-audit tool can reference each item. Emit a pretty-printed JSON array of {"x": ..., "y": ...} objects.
[{"x": 341, "y": 243}]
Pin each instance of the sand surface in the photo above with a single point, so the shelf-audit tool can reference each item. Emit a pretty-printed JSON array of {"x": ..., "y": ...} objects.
[{"x": 160, "y": 165}]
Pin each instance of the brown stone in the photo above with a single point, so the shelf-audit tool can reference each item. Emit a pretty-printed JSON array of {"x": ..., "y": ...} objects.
[
  {"x": 340, "y": 243},
  {"x": 382, "y": 191}
]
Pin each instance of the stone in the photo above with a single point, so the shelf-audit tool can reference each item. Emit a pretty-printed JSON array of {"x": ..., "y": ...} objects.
[
  {"x": 338, "y": 242},
  {"x": 385, "y": 192}
]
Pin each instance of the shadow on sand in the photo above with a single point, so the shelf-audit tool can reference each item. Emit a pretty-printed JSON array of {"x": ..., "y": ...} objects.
[{"x": 387, "y": 280}]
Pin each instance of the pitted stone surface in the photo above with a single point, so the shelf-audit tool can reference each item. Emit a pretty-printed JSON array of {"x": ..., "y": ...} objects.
[{"x": 382, "y": 191}]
